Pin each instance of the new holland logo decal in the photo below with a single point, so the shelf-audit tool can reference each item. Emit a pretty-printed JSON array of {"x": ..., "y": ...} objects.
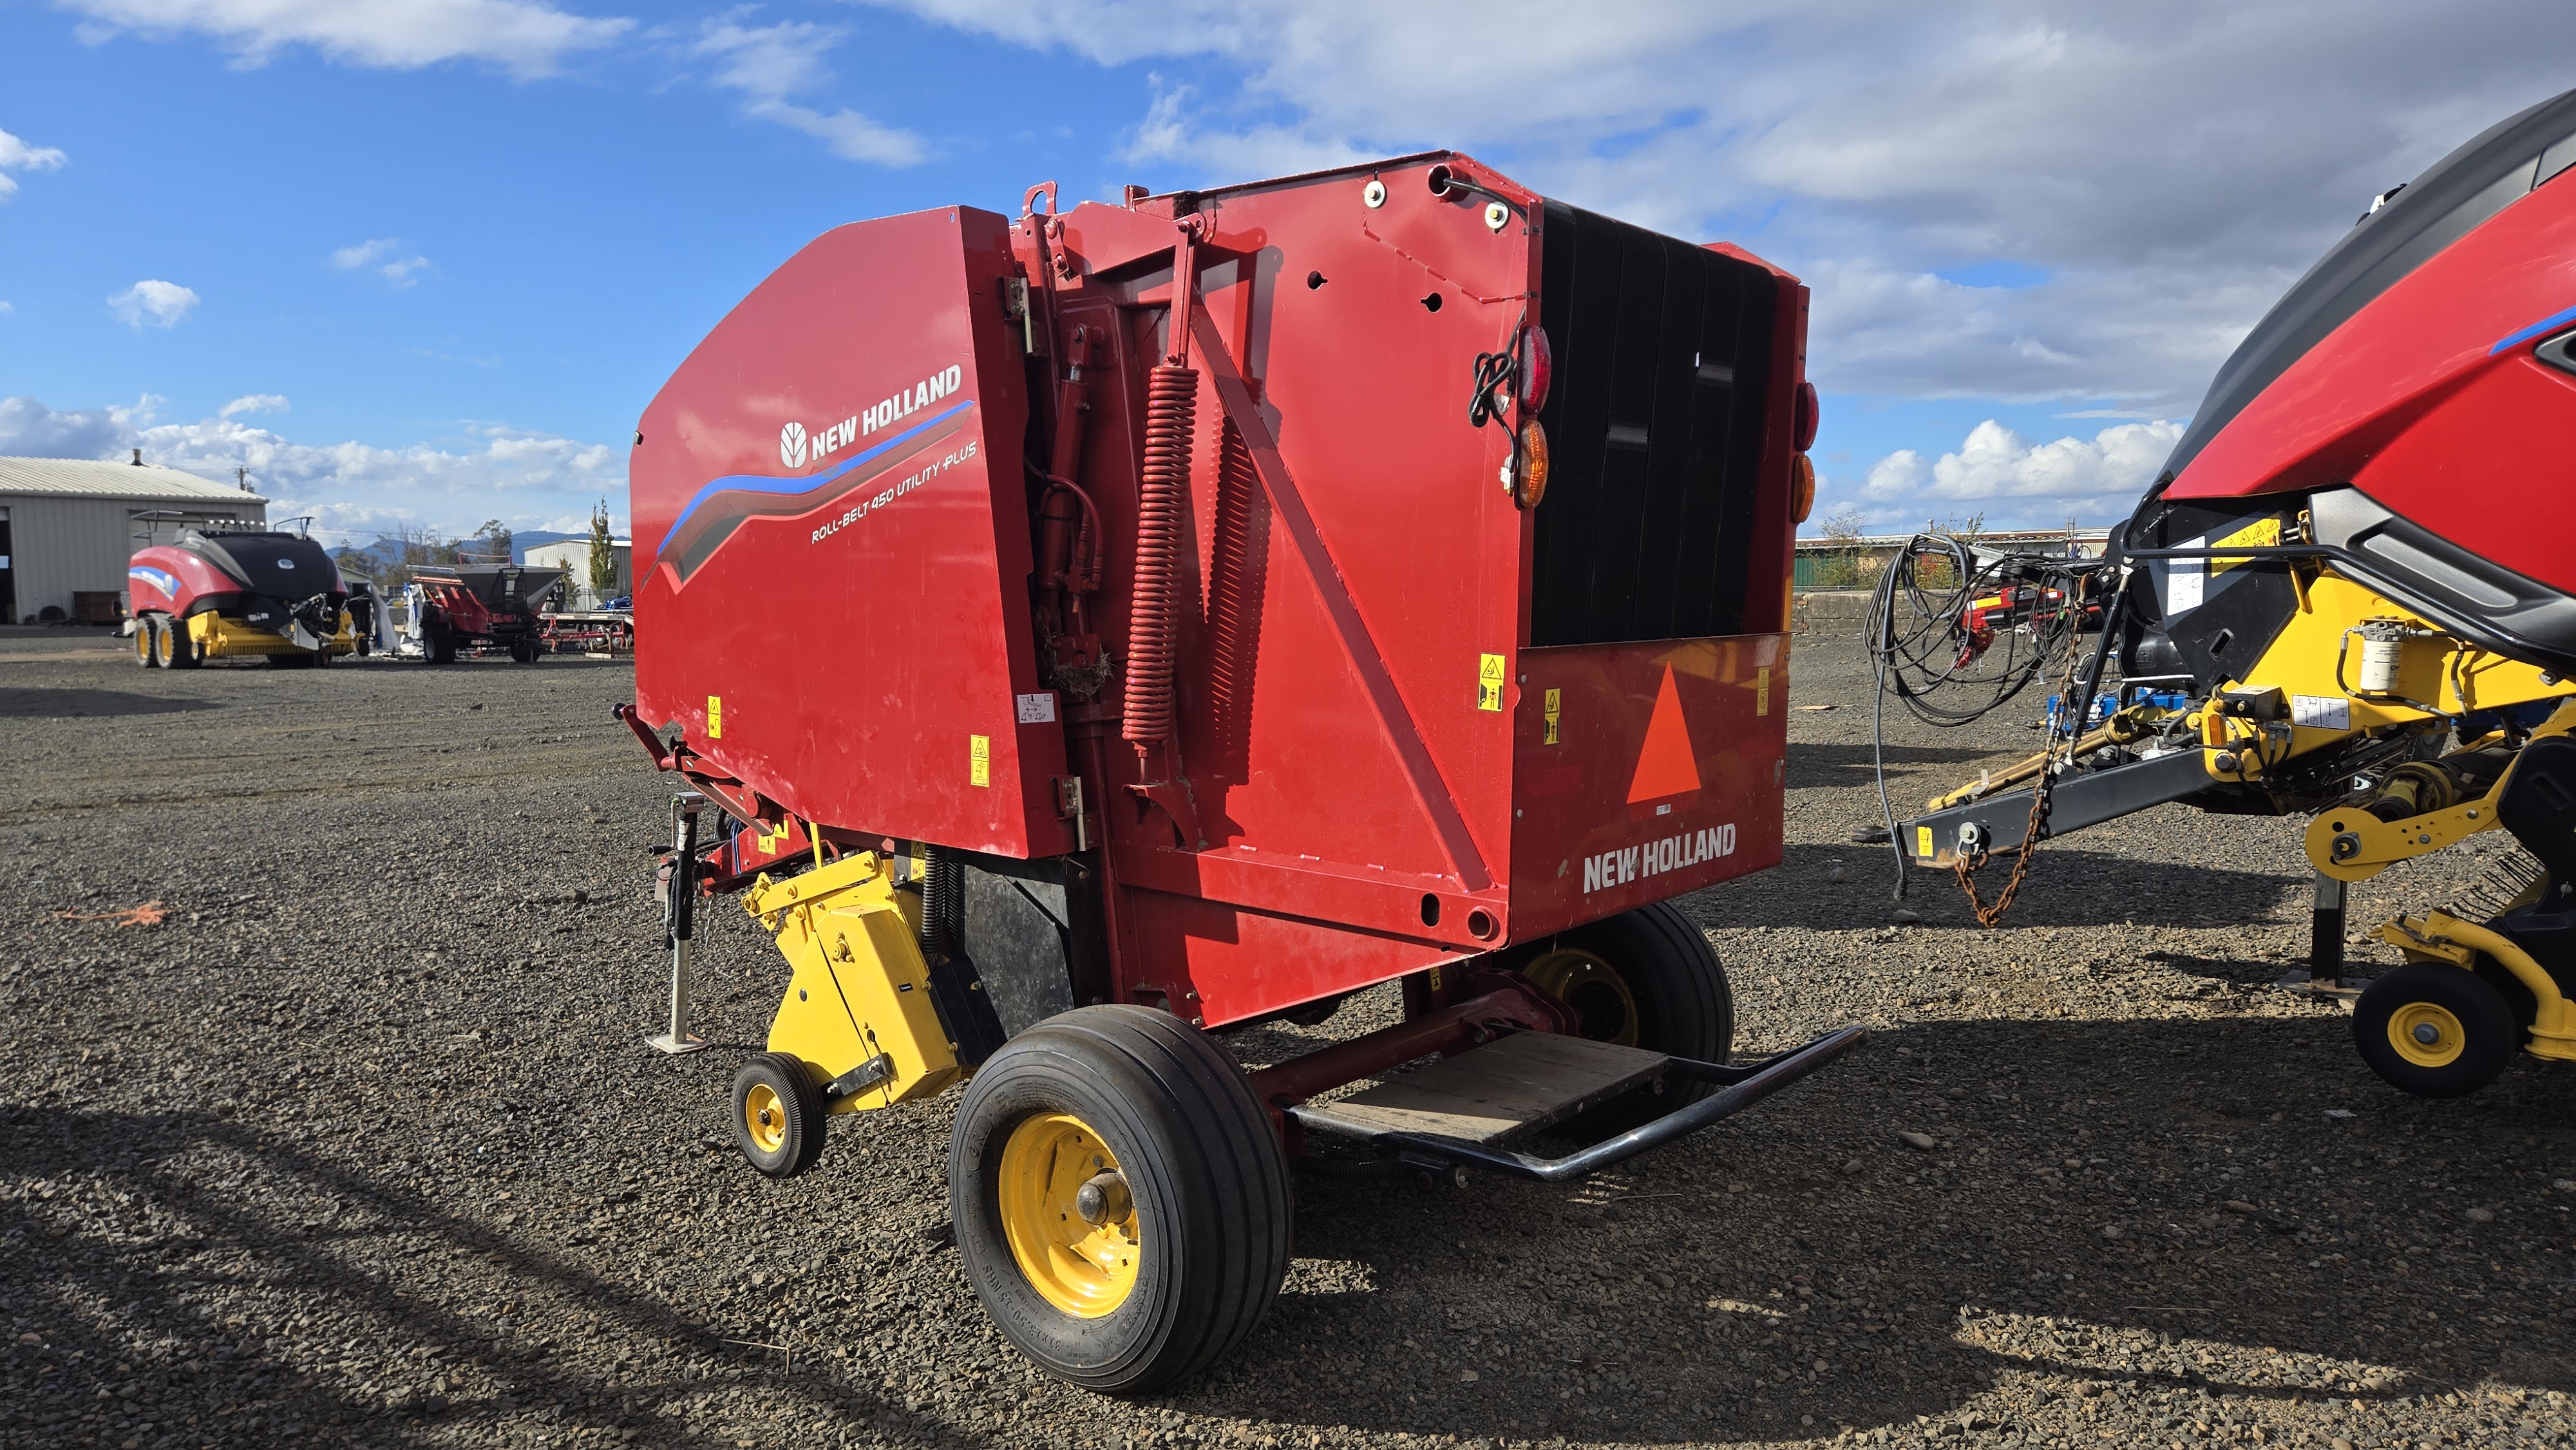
[{"x": 724, "y": 505}]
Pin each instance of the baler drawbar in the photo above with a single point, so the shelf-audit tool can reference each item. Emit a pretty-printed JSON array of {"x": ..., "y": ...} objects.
[{"x": 1209, "y": 607}]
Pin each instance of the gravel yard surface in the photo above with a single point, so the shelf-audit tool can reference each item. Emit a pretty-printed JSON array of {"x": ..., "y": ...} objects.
[{"x": 360, "y": 1146}]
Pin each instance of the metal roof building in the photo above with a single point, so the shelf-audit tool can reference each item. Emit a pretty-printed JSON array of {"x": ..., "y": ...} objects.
[{"x": 68, "y": 525}]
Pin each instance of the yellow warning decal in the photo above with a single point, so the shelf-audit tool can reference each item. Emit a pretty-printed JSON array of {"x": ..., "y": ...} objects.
[
  {"x": 2264, "y": 533},
  {"x": 715, "y": 718},
  {"x": 979, "y": 759},
  {"x": 1489, "y": 682},
  {"x": 1762, "y": 690},
  {"x": 1553, "y": 699},
  {"x": 1435, "y": 979},
  {"x": 1922, "y": 843}
]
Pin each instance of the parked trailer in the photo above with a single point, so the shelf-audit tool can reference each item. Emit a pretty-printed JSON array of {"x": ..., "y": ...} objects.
[
  {"x": 1110, "y": 627},
  {"x": 595, "y": 631},
  {"x": 237, "y": 594},
  {"x": 446, "y": 611}
]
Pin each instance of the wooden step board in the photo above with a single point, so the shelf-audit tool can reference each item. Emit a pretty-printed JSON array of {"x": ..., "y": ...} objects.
[{"x": 1517, "y": 1084}]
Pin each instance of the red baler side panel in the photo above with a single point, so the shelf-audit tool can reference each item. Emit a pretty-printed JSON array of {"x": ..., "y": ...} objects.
[
  {"x": 836, "y": 611},
  {"x": 1335, "y": 616},
  {"x": 2429, "y": 399},
  {"x": 171, "y": 580}
]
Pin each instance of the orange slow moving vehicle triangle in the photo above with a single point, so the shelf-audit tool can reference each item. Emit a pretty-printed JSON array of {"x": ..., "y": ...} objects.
[{"x": 1665, "y": 766}]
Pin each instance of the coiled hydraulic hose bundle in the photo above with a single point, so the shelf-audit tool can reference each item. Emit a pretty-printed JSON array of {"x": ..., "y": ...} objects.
[{"x": 1921, "y": 652}]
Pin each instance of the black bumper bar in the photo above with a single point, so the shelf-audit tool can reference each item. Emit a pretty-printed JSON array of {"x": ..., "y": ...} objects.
[{"x": 1743, "y": 1087}]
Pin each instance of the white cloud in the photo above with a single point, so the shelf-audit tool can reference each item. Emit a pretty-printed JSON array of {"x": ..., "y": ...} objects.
[
  {"x": 1999, "y": 468},
  {"x": 359, "y": 254},
  {"x": 5, "y": 308},
  {"x": 256, "y": 403},
  {"x": 526, "y": 37},
  {"x": 17, "y": 155},
  {"x": 527, "y": 480},
  {"x": 2161, "y": 173},
  {"x": 161, "y": 304},
  {"x": 378, "y": 253},
  {"x": 771, "y": 64}
]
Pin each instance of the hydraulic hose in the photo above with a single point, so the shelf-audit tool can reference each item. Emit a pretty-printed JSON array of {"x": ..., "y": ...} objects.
[{"x": 1171, "y": 416}]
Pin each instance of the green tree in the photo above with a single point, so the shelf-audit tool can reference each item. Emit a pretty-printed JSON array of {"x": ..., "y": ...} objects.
[
  {"x": 1843, "y": 529},
  {"x": 490, "y": 545},
  {"x": 603, "y": 552}
]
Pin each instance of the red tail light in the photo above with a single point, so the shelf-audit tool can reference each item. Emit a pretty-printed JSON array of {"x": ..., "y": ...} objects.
[
  {"x": 1803, "y": 417},
  {"x": 1538, "y": 368}
]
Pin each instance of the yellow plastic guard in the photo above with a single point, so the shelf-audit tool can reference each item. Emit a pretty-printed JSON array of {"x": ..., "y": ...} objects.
[{"x": 860, "y": 988}]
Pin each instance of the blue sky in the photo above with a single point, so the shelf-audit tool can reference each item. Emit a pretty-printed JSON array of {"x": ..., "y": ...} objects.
[{"x": 435, "y": 255}]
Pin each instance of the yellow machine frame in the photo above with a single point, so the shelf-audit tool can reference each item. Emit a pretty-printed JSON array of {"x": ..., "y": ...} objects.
[
  {"x": 2440, "y": 937},
  {"x": 857, "y": 1010},
  {"x": 220, "y": 638}
]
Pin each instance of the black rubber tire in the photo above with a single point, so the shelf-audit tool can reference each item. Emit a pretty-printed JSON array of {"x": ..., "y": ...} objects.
[
  {"x": 178, "y": 648},
  {"x": 147, "y": 641},
  {"x": 1201, "y": 1159},
  {"x": 2518, "y": 1000},
  {"x": 1684, "y": 1008},
  {"x": 442, "y": 647},
  {"x": 2489, "y": 1033},
  {"x": 800, "y": 1101},
  {"x": 321, "y": 659},
  {"x": 524, "y": 651}
]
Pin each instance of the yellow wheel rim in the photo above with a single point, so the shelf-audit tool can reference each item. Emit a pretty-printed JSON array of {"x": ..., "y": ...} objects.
[
  {"x": 143, "y": 642},
  {"x": 765, "y": 1117},
  {"x": 1087, "y": 1270},
  {"x": 1593, "y": 988},
  {"x": 2427, "y": 1035}
]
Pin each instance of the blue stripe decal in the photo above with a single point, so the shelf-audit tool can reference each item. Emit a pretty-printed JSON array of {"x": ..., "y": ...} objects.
[
  {"x": 167, "y": 583},
  {"x": 756, "y": 483},
  {"x": 2551, "y": 323}
]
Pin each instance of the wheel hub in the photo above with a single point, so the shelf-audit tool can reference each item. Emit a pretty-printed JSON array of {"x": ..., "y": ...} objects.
[
  {"x": 2427, "y": 1034},
  {"x": 765, "y": 1117},
  {"x": 1586, "y": 982},
  {"x": 1068, "y": 1215}
]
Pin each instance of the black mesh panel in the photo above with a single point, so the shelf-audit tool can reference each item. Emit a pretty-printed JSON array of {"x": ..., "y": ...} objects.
[{"x": 1654, "y": 426}]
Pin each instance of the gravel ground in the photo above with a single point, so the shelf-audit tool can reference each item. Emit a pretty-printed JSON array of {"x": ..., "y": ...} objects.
[{"x": 360, "y": 1144}]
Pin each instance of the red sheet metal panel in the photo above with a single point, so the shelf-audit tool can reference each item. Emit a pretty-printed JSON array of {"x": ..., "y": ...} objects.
[
  {"x": 1645, "y": 771},
  {"x": 830, "y": 491},
  {"x": 2430, "y": 398}
]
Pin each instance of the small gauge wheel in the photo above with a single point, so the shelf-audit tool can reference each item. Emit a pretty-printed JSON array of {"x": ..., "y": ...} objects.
[
  {"x": 778, "y": 1115},
  {"x": 2435, "y": 1030}
]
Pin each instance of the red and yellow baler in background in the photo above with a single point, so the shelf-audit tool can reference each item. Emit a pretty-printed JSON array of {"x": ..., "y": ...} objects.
[
  {"x": 1107, "y": 627},
  {"x": 232, "y": 594}
]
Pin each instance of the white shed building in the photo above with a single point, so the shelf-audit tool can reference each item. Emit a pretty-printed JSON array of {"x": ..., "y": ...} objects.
[
  {"x": 68, "y": 526},
  {"x": 573, "y": 557}
]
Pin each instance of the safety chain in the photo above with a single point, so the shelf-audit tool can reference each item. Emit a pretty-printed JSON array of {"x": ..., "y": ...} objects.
[{"x": 1966, "y": 865}]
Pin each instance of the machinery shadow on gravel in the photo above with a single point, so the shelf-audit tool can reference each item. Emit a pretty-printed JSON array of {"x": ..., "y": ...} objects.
[
  {"x": 1803, "y": 1263},
  {"x": 106, "y": 1287},
  {"x": 2068, "y": 886},
  {"x": 1828, "y": 763},
  {"x": 93, "y": 704}
]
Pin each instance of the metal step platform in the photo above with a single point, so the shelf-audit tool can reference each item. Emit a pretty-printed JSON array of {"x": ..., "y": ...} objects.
[
  {"x": 1501, "y": 1091},
  {"x": 1462, "y": 1110}
]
